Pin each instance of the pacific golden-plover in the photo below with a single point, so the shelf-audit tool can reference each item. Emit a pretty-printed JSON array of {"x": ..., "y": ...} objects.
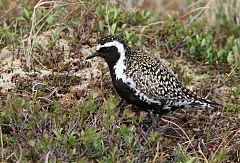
[{"x": 143, "y": 81}]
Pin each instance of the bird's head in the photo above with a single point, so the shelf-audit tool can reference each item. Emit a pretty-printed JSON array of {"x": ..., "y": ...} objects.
[{"x": 111, "y": 48}]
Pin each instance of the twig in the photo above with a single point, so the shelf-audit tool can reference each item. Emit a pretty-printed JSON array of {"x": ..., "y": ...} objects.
[
  {"x": 201, "y": 152},
  {"x": 230, "y": 137},
  {"x": 156, "y": 154},
  {"x": 107, "y": 19},
  {"x": 47, "y": 157},
  {"x": 1, "y": 142},
  {"x": 179, "y": 45},
  {"x": 29, "y": 48},
  {"x": 189, "y": 140},
  {"x": 194, "y": 10}
]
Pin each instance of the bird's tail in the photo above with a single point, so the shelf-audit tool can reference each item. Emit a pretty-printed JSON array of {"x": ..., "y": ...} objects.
[
  {"x": 207, "y": 103},
  {"x": 194, "y": 100}
]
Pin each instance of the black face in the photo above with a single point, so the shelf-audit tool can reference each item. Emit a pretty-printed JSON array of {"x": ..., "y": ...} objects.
[{"x": 109, "y": 53}]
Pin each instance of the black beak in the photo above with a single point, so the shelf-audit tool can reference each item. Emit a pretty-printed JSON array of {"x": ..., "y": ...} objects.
[{"x": 92, "y": 55}]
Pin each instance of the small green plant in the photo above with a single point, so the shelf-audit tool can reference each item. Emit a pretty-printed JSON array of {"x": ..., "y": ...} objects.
[
  {"x": 220, "y": 156},
  {"x": 111, "y": 17},
  {"x": 154, "y": 137},
  {"x": 108, "y": 109},
  {"x": 27, "y": 13},
  {"x": 127, "y": 134},
  {"x": 187, "y": 79},
  {"x": 181, "y": 156},
  {"x": 117, "y": 21},
  {"x": 92, "y": 142},
  {"x": 53, "y": 39},
  {"x": 9, "y": 37},
  {"x": 51, "y": 20},
  {"x": 236, "y": 93},
  {"x": 133, "y": 38},
  {"x": 233, "y": 107}
]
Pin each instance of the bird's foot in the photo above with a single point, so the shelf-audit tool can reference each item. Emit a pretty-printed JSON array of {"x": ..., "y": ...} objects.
[
  {"x": 120, "y": 107},
  {"x": 151, "y": 123},
  {"x": 154, "y": 123}
]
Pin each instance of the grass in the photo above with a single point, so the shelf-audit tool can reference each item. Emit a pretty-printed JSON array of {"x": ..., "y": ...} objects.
[{"x": 62, "y": 108}]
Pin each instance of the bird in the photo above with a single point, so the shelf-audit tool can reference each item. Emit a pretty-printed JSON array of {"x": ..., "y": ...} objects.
[{"x": 143, "y": 81}]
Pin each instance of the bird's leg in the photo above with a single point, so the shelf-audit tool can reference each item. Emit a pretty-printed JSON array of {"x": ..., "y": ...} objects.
[
  {"x": 154, "y": 122},
  {"x": 120, "y": 107}
]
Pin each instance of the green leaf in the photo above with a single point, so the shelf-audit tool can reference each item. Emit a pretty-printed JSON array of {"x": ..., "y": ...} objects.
[
  {"x": 51, "y": 20},
  {"x": 101, "y": 25},
  {"x": 1, "y": 4},
  {"x": 220, "y": 53},
  {"x": 58, "y": 135},
  {"x": 31, "y": 143},
  {"x": 230, "y": 58},
  {"x": 27, "y": 13},
  {"x": 192, "y": 50},
  {"x": 113, "y": 28},
  {"x": 236, "y": 93},
  {"x": 203, "y": 42}
]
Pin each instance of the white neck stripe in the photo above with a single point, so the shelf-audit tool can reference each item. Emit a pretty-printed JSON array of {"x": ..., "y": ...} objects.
[{"x": 115, "y": 43}]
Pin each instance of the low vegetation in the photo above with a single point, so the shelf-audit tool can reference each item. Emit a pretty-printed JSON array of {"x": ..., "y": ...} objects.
[{"x": 55, "y": 106}]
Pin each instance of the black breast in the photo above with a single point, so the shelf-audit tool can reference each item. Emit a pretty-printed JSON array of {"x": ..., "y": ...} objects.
[{"x": 128, "y": 94}]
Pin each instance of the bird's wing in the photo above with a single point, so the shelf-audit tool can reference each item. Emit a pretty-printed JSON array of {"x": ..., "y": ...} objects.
[
  {"x": 154, "y": 83},
  {"x": 154, "y": 80}
]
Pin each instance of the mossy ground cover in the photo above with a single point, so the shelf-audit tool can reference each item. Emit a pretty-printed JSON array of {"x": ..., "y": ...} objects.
[{"x": 55, "y": 106}]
